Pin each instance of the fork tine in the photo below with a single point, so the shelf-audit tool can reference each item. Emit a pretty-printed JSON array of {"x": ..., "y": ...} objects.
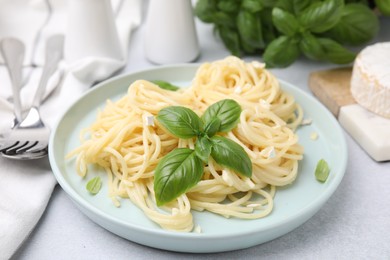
[
  {"x": 8, "y": 145},
  {"x": 13, "y": 149},
  {"x": 26, "y": 147},
  {"x": 38, "y": 147}
]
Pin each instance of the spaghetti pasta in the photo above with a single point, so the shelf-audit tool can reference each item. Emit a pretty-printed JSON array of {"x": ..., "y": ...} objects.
[{"x": 124, "y": 142}]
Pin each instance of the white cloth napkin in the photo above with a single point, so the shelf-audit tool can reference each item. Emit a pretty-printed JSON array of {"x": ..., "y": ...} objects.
[{"x": 92, "y": 54}]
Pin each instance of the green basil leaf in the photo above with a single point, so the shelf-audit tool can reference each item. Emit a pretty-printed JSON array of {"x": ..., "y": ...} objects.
[
  {"x": 176, "y": 172},
  {"x": 269, "y": 3},
  {"x": 322, "y": 170},
  {"x": 247, "y": 48},
  {"x": 231, "y": 155},
  {"x": 281, "y": 52},
  {"x": 321, "y": 16},
  {"x": 383, "y": 6},
  {"x": 269, "y": 31},
  {"x": 180, "y": 121},
  {"x": 205, "y": 9},
  {"x": 336, "y": 53},
  {"x": 363, "y": 2},
  {"x": 227, "y": 111},
  {"x": 285, "y": 22},
  {"x": 230, "y": 39},
  {"x": 203, "y": 148},
  {"x": 228, "y": 6},
  {"x": 311, "y": 47},
  {"x": 165, "y": 85},
  {"x": 252, "y": 6},
  {"x": 286, "y": 5},
  {"x": 300, "y": 5},
  {"x": 94, "y": 185},
  {"x": 213, "y": 126},
  {"x": 224, "y": 19},
  {"x": 358, "y": 25},
  {"x": 249, "y": 29}
]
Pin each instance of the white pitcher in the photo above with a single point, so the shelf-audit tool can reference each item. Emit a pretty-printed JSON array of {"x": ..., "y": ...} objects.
[
  {"x": 170, "y": 33},
  {"x": 91, "y": 31}
]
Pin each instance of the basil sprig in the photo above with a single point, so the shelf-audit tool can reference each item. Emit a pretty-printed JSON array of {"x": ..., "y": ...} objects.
[
  {"x": 183, "y": 168},
  {"x": 283, "y": 30},
  {"x": 301, "y": 26}
]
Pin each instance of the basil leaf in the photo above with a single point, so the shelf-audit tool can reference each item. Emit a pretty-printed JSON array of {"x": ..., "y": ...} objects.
[
  {"x": 286, "y": 5},
  {"x": 180, "y": 121},
  {"x": 205, "y": 9},
  {"x": 227, "y": 111},
  {"x": 285, "y": 22},
  {"x": 230, "y": 39},
  {"x": 213, "y": 126},
  {"x": 176, "y": 172},
  {"x": 281, "y": 52},
  {"x": 249, "y": 29},
  {"x": 252, "y": 6},
  {"x": 228, "y": 6},
  {"x": 165, "y": 85},
  {"x": 224, "y": 19},
  {"x": 247, "y": 48},
  {"x": 311, "y": 47},
  {"x": 203, "y": 148},
  {"x": 322, "y": 170},
  {"x": 94, "y": 185},
  {"x": 300, "y": 5},
  {"x": 383, "y": 6},
  {"x": 358, "y": 25},
  {"x": 231, "y": 155},
  {"x": 336, "y": 53},
  {"x": 322, "y": 16},
  {"x": 269, "y": 30}
]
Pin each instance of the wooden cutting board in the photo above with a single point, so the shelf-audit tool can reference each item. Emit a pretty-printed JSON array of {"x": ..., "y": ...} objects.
[
  {"x": 332, "y": 88},
  {"x": 370, "y": 131}
]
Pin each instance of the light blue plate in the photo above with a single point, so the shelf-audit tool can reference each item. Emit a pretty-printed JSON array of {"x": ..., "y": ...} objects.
[{"x": 294, "y": 204}]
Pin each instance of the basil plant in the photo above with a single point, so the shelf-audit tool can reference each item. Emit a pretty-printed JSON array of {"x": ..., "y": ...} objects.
[{"x": 283, "y": 30}]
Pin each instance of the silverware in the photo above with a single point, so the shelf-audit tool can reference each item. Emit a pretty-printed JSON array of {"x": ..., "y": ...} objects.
[
  {"x": 13, "y": 52},
  {"x": 29, "y": 138}
]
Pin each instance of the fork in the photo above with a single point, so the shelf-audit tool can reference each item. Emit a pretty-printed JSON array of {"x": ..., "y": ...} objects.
[
  {"x": 13, "y": 52},
  {"x": 28, "y": 139}
]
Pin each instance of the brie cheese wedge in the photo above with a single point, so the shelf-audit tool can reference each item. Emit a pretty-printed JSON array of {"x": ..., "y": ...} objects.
[{"x": 370, "y": 82}]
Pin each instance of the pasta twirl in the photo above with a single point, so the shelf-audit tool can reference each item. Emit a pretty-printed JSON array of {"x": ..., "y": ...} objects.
[{"x": 124, "y": 142}]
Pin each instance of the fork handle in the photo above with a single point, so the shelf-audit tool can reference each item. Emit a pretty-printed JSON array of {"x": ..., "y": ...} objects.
[
  {"x": 13, "y": 54},
  {"x": 54, "y": 53}
]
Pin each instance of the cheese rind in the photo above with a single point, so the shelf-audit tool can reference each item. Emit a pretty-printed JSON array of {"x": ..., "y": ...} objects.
[{"x": 370, "y": 82}]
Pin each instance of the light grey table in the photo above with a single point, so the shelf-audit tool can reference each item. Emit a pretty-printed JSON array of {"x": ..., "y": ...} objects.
[{"x": 353, "y": 224}]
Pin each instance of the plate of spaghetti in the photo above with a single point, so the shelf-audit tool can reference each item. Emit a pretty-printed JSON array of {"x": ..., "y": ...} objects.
[{"x": 110, "y": 146}]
